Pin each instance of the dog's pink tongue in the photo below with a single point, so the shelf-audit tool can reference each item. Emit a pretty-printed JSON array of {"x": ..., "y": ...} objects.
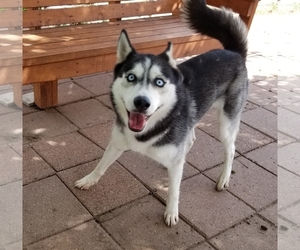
[{"x": 136, "y": 121}]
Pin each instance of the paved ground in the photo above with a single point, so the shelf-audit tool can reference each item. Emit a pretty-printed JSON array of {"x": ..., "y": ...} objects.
[
  {"x": 125, "y": 209},
  {"x": 10, "y": 176}
]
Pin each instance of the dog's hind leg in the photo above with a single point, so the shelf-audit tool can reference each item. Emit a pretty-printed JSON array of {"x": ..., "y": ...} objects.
[
  {"x": 111, "y": 154},
  {"x": 171, "y": 215},
  {"x": 228, "y": 131}
]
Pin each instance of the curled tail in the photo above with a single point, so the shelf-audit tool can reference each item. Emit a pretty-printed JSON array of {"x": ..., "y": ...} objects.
[{"x": 221, "y": 24}]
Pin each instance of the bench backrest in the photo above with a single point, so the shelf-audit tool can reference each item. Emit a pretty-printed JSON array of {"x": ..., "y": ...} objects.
[
  {"x": 55, "y": 12},
  {"x": 50, "y": 13}
]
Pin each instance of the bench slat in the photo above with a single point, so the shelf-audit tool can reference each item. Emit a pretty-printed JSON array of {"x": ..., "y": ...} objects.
[
  {"x": 10, "y": 18},
  {"x": 102, "y": 38},
  {"x": 56, "y": 38},
  {"x": 10, "y": 3},
  {"x": 40, "y": 56},
  {"x": 83, "y": 66},
  {"x": 12, "y": 74},
  {"x": 33, "y": 18},
  {"x": 107, "y": 25},
  {"x": 43, "y": 3}
]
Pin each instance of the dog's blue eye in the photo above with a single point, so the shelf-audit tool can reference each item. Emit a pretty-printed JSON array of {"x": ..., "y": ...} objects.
[
  {"x": 159, "y": 82},
  {"x": 131, "y": 78}
]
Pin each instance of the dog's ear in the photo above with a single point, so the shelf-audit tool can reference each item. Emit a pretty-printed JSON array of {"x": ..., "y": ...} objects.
[
  {"x": 124, "y": 47},
  {"x": 168, "y": 55}
]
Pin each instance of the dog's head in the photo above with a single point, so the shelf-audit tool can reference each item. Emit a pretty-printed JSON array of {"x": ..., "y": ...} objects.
[{"x": 144, "y": 87}]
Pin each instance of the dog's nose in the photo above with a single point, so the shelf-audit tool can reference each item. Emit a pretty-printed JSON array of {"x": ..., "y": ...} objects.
[{"x": 141, "y": 103}]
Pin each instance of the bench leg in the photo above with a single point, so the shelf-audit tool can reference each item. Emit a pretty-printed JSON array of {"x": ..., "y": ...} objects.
[
  {"x": 46, "y": 94},
  {"x": 17, "y": 89}
]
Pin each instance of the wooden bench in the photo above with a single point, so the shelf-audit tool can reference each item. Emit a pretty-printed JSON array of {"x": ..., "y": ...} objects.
[{"x": 80, "y": 37}]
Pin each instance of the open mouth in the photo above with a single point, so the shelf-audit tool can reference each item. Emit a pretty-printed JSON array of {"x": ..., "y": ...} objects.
[{"x": 137, "y": 121}]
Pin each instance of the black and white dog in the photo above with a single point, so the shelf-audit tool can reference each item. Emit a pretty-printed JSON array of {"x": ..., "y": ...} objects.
[{"x": 158, "y": 103}]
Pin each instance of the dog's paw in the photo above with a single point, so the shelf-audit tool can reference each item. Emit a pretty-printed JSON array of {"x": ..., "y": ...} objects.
[
  {"x": 86, "y": 182},
  {"x": 171, "y": 217},
  {"x": 222, "y": 183}
]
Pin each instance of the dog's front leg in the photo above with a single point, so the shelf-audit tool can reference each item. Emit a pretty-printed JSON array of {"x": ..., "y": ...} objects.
[
  {"x": 175, "y": 174},
  {"x": 111, "y": 154}
]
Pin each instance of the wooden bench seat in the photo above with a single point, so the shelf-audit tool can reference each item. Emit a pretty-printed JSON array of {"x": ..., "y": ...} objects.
[{"x": 52, "y": 53}]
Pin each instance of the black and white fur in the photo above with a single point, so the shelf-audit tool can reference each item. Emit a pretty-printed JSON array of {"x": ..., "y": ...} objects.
[{"x": 159, "y": 103}]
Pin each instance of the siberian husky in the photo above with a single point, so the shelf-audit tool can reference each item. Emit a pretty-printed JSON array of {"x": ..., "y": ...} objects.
[{"x": 159, "y": 103}]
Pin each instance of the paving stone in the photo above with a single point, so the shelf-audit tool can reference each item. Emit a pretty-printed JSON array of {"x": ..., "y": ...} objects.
[
  {"x": 288, "y": 123},
  {"x": 206, "y": 152},
  {"x": 287, "y": 97},
  {"x": 248, "y": 236},
  {"x": 154, "y": 175},
  {"x": 288, "y": 183},
  {"x": 34, "y": 167},
  {"x": 8, "y": 109},
  {"x": 105, "y": 99},
  {"x": 292, "y": 213},
  {"x": 289, "y": 82},
  {"x": 115, "y": 188},
  {"x": 99, "y": 134},
  {"x": 289, "y": 157},
  {"x": 202, "y": 246},
  {"x": 13, "y": 246},
  {"x": 11, "y": 213},
  {"x": 288, "y": 56},
  {"x": 249, "y": 106},
  {"x": 11, "y": 128},
  {"x": 207, "y": 209},
  {"x": 140, "y": 225},
  {"x": 295, "y": 107},
  {"x": 10, "y": 165},
  {"x": 267, "y": 83},
  {"x": 262, "y": 120},
  {"x": 288, "y": 236},
  {"x": 250, "y": 183},
  {"x": 28, "y": 110},
  {"x": 71, "y": 92},
  {"x": 17, "y": 147},
  {"x": 247, "y": 138},
  {"x": 67, "y": 151},
  {"x": 284, "y": 140},
  {"x": 209, "y": 117},
  {"x": 260, "y": 67},
  {"x": 261, "y": 96},
  {"x": 255, "y": 76},
  {"x": 98, "y": 84},
  {"x": 273, "y": 107},
  {"x": 48, "y": 202},
  {"x": 270, "y": 213},
  {"x": 265, "y": 156},
  {"x": 88, "y": 236},
  {"x": 61, "y": 81},
  {"x": 87, "y": 113},
  {"x": 45, "y": 124},
  {"x": 296, "y": 90}
]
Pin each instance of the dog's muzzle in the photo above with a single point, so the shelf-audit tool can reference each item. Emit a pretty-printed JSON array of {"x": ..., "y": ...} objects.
[{"x": 137, "y": 119}]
